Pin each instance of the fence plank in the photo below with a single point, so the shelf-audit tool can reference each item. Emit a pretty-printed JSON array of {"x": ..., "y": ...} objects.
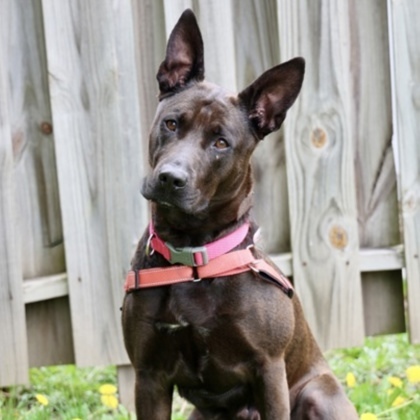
[
  {"x": 377, "y": 201},
  {"x": 14, "y": 355},
  {"x": 150, "y": 40},
  {"x": 126, "y": 380},
  {"x": 44, "y": 288},
  {"x": 320, "y": 172},
  {"x": 38, "y": 201},
  {"x": 256, "y": 50},
  {"x": 99, "y": 153},
  {"x": 50, "y": 340},
  {"x": 405, "y": 69},
  {"x": 39, "y": 219}
]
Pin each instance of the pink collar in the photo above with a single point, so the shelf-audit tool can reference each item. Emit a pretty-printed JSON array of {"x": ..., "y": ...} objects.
[{"x": 197, "y": 256}]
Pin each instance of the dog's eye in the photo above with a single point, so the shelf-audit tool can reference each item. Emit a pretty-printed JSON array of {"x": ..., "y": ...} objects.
[
  {"x": 221, "y": 144},
  {"x": 171, "y": 125}
]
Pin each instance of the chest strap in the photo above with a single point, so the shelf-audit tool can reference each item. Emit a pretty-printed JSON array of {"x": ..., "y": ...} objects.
[{"x": 223, "y": 266}]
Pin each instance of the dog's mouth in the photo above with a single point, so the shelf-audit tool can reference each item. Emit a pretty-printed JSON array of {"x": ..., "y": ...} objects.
[
  {"x": 165, "y": 204},
  {"x": 189, "y": 207},
  {"x": 188, "y": 201}
]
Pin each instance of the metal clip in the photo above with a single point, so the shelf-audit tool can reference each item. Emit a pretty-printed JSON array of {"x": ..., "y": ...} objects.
[
  {"x": 254, "y": 269},
  {"x": 186, "y": 256},
  {"x": 148, "y": 246}
]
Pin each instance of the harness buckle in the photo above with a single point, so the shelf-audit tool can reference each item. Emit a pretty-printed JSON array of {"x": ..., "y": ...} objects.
[{"x": 190, "y": 256}]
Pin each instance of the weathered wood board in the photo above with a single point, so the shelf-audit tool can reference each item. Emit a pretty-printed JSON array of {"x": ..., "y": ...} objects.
[
  {"x": 38, "y": 218},
  {"x": 376, "y": 187},
  {"x": 257, "y": 50},
  {"x": 150, "y": 41},
  {"x": 319, "y": 156},
  {"x": 13, "y": 344},
  {"x": 99, "y": 152},
  {"x": 49, "y": 342},
  {"x": 39, "y": 221},
  {"x": 404, "y": 18}
]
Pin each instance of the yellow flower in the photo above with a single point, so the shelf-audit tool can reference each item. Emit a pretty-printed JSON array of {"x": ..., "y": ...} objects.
[
  {"x": 398, "y": 401},
  {"x": 108, "y": 396},
  {"x": 42, "y": 399},
  {"x": 108, "y": 389},
  {"x": 413, "y": 374},
  {"x": 368, "y": 416},
  {"x": 110, "y": 401},
  {"x": 394, "y": 381},
  {"x": 350, "y": 380}
]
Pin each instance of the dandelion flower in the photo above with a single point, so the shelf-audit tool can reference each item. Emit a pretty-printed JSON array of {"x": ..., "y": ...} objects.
[
  {"x": 413, "y": 374},
  {"x": 110, "y": 401},
  {"x": 395, "y": 381},
  {"x": 42, "y": 399},
  {"x": 398, "y": 401},
  {"x": 350, "y": 380},
  {"x": 108, "y": 389},
  {"x": 368, "y": 416}
]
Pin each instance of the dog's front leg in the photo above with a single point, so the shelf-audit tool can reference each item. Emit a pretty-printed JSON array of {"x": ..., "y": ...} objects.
[
  {"x": 153, "y": 397},
  {"x": 271, "y": 391}
]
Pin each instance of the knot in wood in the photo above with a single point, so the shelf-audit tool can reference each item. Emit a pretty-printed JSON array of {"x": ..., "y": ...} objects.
[
  {"x": 319, "y": 137},
  {"x": 46, "y": 128},
  {"x": 338, "y": 237}
]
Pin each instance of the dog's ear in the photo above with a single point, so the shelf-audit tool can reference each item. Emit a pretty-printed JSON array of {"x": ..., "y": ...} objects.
[
  {"x": 184, "y": 61},
  {"x": 269, "y": 97}
]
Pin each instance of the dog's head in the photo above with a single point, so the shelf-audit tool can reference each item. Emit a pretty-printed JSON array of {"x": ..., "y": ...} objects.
[{"x": 202, "y": 137}]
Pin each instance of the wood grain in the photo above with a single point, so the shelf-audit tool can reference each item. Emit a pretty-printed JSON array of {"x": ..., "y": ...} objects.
[
  {"x": 376, "y": 187},
  {"x": 49, "y": 342},
  {"x": 405, "y": 69},
  {"x": 149, "y": 41},
  {"x": 99, "y": 153},
  {"x": 39, "y": 220},
  {"x": 319, "y": 153},
  {"x": 13, "y": 344}
]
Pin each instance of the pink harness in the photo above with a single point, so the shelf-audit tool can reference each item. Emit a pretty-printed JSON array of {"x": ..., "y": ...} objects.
[{"x": 193, "y": 264}]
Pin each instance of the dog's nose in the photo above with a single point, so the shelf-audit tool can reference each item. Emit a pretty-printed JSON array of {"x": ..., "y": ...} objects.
[{"x": 173, "y": 178}]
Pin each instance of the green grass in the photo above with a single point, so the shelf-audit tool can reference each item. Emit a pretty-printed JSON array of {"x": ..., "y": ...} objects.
[
  {"x": 74, "y": 393},
  {"x": 372, "y": 365}
]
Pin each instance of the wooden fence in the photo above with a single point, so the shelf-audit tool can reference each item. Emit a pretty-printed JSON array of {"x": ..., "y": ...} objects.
[{"x": 77, "y": 96}]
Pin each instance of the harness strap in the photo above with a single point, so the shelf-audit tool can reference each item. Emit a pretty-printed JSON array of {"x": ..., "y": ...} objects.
[{"x": 223, "y": 266}]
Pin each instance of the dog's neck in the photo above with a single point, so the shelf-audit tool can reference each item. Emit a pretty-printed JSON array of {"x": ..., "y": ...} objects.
[{"x": 182, "y": 230}]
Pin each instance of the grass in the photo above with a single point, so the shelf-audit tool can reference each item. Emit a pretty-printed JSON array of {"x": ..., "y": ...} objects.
[
  {"x": 375, "y": 376},
  {"x": 69, "y": 393}
]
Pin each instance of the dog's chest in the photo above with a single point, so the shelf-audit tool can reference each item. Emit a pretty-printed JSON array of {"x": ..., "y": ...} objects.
[{"x": 198, "y": 331}]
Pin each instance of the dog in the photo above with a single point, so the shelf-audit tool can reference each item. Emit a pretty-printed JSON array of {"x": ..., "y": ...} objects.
[{"x": 205, "y": 311}]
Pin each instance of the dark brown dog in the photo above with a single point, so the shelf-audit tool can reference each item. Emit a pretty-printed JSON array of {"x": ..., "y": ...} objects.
[{"x": 237, "y": 347}]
